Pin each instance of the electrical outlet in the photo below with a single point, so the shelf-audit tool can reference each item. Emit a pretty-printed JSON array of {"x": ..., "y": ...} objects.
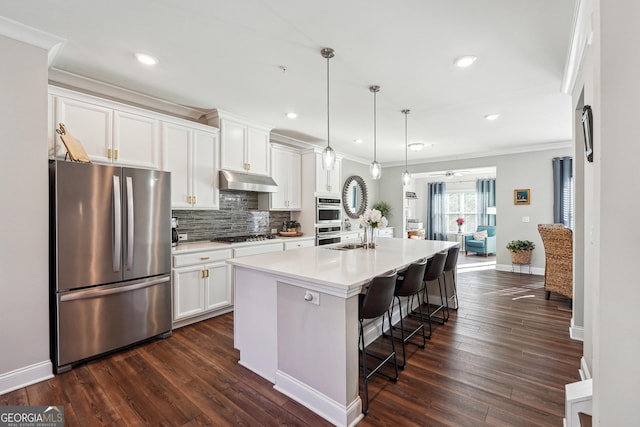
[
  {"x": 525, "y": 219},
  {"x": 274, "y": 231},
  {"x": 182, "y": 236}
]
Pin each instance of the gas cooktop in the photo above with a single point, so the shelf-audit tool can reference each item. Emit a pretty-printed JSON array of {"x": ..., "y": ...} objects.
[{"x": 240, "y": 239}]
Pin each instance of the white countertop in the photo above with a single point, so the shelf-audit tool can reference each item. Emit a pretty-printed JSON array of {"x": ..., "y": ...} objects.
[
  {"x": 342, "y": 272},
  {"x": 184, "y": 248}
]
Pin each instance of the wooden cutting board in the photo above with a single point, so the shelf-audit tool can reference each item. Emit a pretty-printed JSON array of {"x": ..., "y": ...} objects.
[{"x": 74, "y": 147}]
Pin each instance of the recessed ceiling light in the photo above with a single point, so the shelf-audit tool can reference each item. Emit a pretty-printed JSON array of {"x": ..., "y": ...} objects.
[
  {"x": 358, "y": 140},
  {"x": 292, "y": 115},
  {"x": 416, "y": 146},
  {"x": 465, "y": 61},
  {"x": 491, "y": 116},
  {"x": 146, "y": 59}
]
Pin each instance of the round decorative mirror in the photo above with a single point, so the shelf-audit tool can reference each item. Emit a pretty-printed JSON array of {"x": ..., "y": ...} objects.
[{"x": 354, "y": 196}]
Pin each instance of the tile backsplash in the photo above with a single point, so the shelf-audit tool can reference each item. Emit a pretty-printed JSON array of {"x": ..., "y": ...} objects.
[{"x": 238, "y": 215}]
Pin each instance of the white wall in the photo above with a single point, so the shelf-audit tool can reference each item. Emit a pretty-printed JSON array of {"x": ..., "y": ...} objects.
[
  {"x": 525, "y": 170},
  {"x": 616, "y": 152},
  {"x": 24, "y": 264}
]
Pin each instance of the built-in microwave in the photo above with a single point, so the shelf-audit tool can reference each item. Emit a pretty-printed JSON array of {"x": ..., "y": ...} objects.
[{"x": 328, "y": 210}]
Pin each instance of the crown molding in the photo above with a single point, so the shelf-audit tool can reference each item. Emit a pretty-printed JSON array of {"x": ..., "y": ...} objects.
[
  {"x": 581, "y": 36},
  {"x": 494, "y": 153},
  {"x": 31, "y": 36},
  {"x": 101, "y": 89}
]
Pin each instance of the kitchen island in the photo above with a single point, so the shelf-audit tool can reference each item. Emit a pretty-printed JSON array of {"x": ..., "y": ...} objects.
[{"x": 296, "y": 318}]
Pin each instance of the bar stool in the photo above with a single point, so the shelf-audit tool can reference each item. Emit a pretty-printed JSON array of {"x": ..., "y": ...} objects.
[
  {"x": 373, "y": 304},
  {"x": 450, "y": 267},
  {"x": 435, "y": 267},
  {"x": 408, "y": 285}
]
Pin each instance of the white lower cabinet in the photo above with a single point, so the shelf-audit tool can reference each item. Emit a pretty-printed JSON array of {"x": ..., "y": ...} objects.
[
  {"x": 201, "y": 286},
  {"x": 351, "y": 236},
  {"x": 299, "y": 243}
]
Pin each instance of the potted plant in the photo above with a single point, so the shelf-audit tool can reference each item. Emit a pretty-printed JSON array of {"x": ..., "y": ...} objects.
[
  {"x": 384, "y": 208},
  {"x": 521, "y": 251},
  {"x": 293, "y": 226}
]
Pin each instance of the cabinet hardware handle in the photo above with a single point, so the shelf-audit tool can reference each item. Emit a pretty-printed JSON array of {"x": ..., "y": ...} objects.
[
  {"x": 116, "y": 154},
  {"x": 204, "y": 258},
  {"x": 202, "y": 274},
  {"x": 108, "y": 153},
  {"x": 194, "y": 200},
  {"x": 206, "y": 273},
  {"x": 189, "y": 200}
]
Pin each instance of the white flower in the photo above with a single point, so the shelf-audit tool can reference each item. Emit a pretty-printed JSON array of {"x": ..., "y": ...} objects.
[
  {"x": 373, "y": 218},
  {"x": 383, "y": 222}
]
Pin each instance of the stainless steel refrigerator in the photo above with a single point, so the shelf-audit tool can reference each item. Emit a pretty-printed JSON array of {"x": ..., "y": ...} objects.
[{"x": 110, "y": 258}]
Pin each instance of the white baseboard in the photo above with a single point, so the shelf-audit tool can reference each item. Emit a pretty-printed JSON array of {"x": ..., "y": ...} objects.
[
  {"x": 319, "y": 403},
  {"x": 184, "y": 322},
  {"x": 25, "y": 376},
  {"x": 585, "y": 374},
  {"x": 520, "y": 269},
  {"x": 576, "y": 332}
]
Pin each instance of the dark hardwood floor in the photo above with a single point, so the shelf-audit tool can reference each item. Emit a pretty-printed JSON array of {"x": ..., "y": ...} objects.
[{"x": 498, "y": 361}]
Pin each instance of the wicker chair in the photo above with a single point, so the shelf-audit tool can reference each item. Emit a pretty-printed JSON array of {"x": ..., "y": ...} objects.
[{"x": 558, "y": 266}]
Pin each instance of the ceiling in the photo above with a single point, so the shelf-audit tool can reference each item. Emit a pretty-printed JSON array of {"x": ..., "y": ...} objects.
[{"x": 230, "y": 54}]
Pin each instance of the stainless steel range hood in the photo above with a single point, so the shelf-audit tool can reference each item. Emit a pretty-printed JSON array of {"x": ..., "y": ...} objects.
[{"x": 242, "y": 181}]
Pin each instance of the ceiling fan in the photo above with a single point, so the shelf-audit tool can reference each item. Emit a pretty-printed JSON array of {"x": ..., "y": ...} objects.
[{"x": 449, "y": 174}]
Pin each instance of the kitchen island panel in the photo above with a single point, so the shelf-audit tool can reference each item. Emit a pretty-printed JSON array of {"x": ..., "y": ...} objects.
[{"x": 255, "y": 332}]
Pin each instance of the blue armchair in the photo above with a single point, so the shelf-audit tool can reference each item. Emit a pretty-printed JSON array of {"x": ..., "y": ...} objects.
[{"x": 484, "y": 247}]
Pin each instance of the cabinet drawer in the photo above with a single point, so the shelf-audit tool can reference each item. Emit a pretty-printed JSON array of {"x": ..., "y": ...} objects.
[
  {"x": 258, "y": 249},
  {"x": 299, "y": 244},
  {"x": 204, "y": 257}
]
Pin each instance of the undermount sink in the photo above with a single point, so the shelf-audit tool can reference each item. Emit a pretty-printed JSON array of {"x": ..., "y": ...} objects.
[{"x": 346, "y": 247}]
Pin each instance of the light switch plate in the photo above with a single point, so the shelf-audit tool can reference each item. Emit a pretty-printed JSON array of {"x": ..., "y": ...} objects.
[
  {"x": 182, "y": 236},
  {"x": 525, "y": 219}
]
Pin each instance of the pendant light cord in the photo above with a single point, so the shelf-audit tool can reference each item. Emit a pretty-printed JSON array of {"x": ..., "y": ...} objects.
[
  {"x": 328, "y": 143},
  {"x": 374, "y": 127},
  {"x": 406, "y": 112}
]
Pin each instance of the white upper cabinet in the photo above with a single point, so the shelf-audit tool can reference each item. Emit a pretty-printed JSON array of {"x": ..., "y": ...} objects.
[
  {"x": 136, "y": 140},
  {"x": 328, "y": 182},
  {"x": 205, "y": 170},
  {"x": 109, "y": 132},
  {"x": 257, "y": 152},
  {"x": 192, "y": 158},
  {"x": 244, "y": 145},
  {"x": 90, "y": 124},
  {"x": 286, "y": 172}
]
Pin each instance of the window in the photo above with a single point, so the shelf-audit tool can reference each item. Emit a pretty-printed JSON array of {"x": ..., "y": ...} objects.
[
  {"x": 461, "y": 204},
  {"x": 563, "y": 190}
]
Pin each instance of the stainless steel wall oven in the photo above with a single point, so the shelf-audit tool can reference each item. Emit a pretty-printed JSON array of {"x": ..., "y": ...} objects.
[{"x": 328, "y": 234}]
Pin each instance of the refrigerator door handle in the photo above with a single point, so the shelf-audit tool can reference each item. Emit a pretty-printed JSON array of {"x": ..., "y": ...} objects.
[
  {"x": 117, "y": 224},
  {"x": 96, "y": 293},
  {"x": 130, "y": 222}
]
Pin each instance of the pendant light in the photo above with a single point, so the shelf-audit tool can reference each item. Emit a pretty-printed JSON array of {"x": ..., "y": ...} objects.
[
  {"x": 406, "y": 177},
  {"x": 328, "y": 155},
  {"x": 375, "y": 169}
]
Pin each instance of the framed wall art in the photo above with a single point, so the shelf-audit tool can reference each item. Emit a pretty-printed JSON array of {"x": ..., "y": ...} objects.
[{"x": 522, "y": 196}]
